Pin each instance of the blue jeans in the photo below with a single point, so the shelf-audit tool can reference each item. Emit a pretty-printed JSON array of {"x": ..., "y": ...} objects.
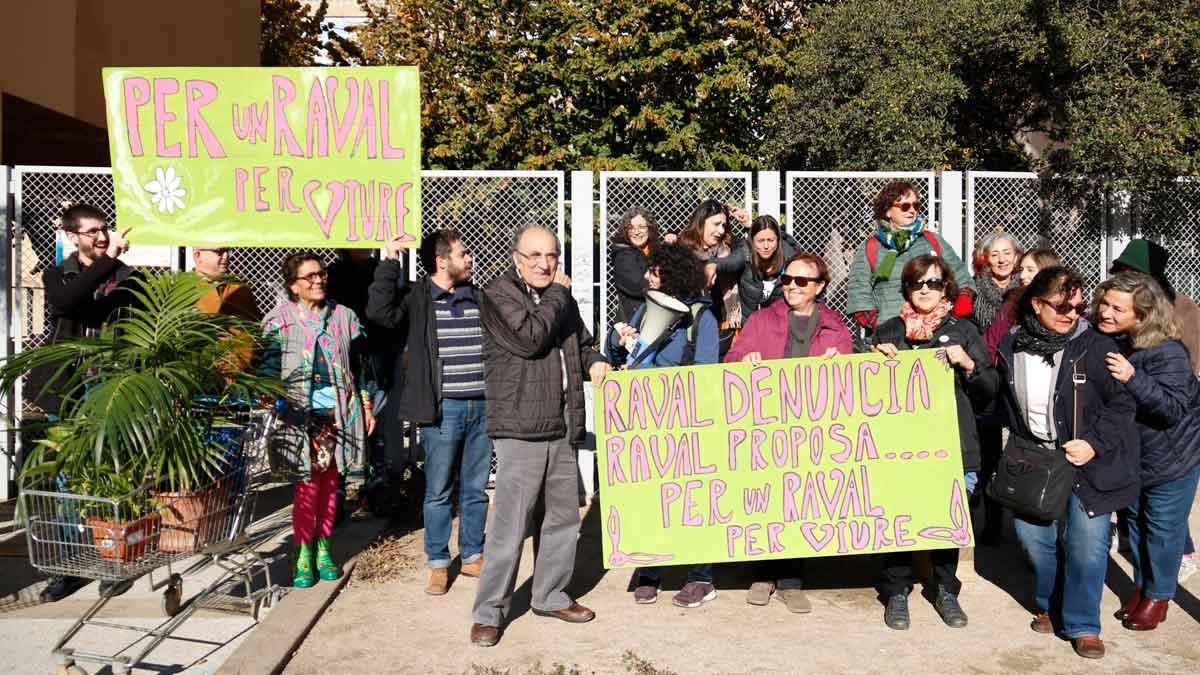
[
  {"x": 1070, "y": 560},
  {"x": 458, "y": 447},
  {"x": 1157, "y": 529},
  {"x": 652, "y": 575}
]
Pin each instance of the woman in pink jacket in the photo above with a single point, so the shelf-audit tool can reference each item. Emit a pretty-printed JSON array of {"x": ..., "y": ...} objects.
[{"x": 798, "y": 326}]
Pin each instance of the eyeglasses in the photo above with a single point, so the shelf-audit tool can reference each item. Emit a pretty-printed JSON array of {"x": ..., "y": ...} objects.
[
  {"x": 1064, "y": 308},
  {"x": 314, "y": 277},
  {"x": 801, "y": 281},
  {"x": 91, "y": 234},
  {"x": 550, "y": 258},
  {"x": 639, "y": 228},
  {"x": 931, "y": 284},
  {"x": 906, "y": 206}
]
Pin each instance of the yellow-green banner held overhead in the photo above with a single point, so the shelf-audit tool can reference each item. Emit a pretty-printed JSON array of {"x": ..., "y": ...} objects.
[
  {"x": 283, "y": 157},
  {"x": 792, "y": 458}
]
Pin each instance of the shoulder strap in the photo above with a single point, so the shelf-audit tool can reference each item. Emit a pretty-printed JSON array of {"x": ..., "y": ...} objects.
[
  {"x": 933, "y": 241},
  {"x": 872, "y": 253},
  {"x": 1078, "y": 379},
  {"x": 689, "y": 348}
]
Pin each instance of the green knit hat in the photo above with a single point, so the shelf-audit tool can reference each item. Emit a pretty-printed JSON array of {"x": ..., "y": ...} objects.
[{"x": 1144, "y": 256}]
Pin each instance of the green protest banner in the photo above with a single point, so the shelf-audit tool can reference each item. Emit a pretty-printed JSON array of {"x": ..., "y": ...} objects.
[
  {"x": 280, "y": 157},
  {"x": 793, "y": 458}
]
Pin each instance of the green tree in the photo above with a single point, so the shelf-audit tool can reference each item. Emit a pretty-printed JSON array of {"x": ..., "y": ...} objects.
[
  {"x": 291, "y": 33},
  {"x": 1123, "y": 106},
  {"x": 590, "y": 84},
  {"x": 886, "y": 85}
]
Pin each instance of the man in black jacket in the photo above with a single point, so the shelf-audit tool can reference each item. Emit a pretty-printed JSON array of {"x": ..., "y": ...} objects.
[
  {"x": 537, "y": 351},
  {"x": 439, "y": 385},
  {"x": 82, "y": 293}
]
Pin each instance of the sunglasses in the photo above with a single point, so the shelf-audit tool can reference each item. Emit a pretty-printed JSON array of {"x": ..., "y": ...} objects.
[
  {"x": 1065, "y": 308},
  {"x": 906, "y": 206},
  {"x": 787, "y": 279},
  {"x": 931, "y": 284}
]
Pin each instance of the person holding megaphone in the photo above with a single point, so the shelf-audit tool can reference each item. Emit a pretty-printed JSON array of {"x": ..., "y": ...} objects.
[{"x": 674, "y": 327}]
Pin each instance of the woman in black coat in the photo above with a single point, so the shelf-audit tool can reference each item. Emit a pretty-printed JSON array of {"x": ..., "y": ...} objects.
[
  {"x": 760, "y": 260},
  {"x": 1049, "y": 357},
  {"x": 926, "y": 322},
  {"x": 636, "y": 237},
  {"x": 1133, "y": 308}
]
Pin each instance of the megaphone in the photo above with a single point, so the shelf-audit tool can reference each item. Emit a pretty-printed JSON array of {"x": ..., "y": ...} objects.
[{"x": 661, "y": 314}]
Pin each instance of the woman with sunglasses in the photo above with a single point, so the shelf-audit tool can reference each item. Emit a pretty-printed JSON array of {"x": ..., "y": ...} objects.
[
  {"x": 327, "y": 417},
  {"x": 926, "y": 321},
  {"x": 1155, "y": 367},
  {"x": 873, "y": 287},
  {"x": 1050, "y": 355},
  {"x": 636, "y": 238},
  {"x": 800, "y": 326},
  {"x": 759, "y": 260}
]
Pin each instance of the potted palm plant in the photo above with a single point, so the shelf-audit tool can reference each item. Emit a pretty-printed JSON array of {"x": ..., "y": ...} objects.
[{"x": 137, "y": 398}]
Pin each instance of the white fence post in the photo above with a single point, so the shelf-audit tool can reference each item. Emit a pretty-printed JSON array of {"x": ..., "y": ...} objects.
[
  {"x": 769, "y": 202},
  {"x": 950, "y": 220},
  {"x": 583, "y": 287},
  {"x": 7, "y": 443}
]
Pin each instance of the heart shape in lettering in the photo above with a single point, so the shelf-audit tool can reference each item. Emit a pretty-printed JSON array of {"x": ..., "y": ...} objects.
[{"x": 816, "y": 542}]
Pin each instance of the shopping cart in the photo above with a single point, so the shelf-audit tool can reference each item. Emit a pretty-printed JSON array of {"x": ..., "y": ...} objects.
[{"x": 147, "y": 531}]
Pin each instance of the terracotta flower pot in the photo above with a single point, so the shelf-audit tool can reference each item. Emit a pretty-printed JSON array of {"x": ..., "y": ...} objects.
[
  {"x": 191, "y": 519},
  {"x": 124, "y": 541}
]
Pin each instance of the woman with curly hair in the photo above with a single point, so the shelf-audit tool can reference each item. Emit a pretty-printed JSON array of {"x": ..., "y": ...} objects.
[
  {"x": 636, "y": 237},
  {"x": 873, "y": 288}
]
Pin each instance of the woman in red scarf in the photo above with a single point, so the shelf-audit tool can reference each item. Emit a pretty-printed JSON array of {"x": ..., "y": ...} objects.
[{"x": 926, "y": 322}]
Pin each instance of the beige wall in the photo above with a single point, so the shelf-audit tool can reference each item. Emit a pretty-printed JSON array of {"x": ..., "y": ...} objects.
[{"x": 52, "y": 50}]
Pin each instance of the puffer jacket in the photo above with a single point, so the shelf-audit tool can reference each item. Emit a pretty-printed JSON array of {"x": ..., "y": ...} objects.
[
  {"x": 863, "y": 294},
  {"x": 1110, "y": 481},
  {"x": 767, "y": 333},
  {"x": 1168, "y": 411},
  {"x": 526, "y": 344},
  {"x": 971, "y": 390}
]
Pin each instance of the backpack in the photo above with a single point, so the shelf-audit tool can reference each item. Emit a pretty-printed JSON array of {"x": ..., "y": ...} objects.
[{"x": 873, "y": 249}]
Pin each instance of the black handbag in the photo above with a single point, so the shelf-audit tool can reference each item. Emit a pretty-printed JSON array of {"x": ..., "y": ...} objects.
[{"x": 1033, "y": 480}]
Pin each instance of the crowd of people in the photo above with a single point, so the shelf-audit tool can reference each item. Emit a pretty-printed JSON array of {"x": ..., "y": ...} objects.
[{"x": 1101, "y": 391}]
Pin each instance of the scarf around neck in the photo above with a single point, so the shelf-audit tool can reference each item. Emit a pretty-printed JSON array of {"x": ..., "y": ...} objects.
[
  {"x": 898, "y": 237},
  {"x": 920, "y": 327},
  {"x": 1035, "y": 338}
]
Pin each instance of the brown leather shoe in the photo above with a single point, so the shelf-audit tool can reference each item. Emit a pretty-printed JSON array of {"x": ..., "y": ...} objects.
[
  {"x": 1148, "y": 615},
  {"x": 472, "y": 569},
  {"x": 439, "y": 581},
  {"x": 1089, "y": 646},
  {"x": 1041, "y": 623},
  {"x": 483, "y": 635},
  {"x": 1128, "y": 607},
  {"x": 576, "y": 613}
]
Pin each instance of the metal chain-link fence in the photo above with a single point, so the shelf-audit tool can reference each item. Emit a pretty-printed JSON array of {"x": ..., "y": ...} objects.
[
  {"x": 1009, "y": 202},
  {"x": 670, "y": 197},
  {"x": 1177, "y": 230},
  {"x": 829, "y": 214}
]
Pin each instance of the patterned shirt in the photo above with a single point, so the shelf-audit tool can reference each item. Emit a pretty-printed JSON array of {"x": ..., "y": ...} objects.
[{"x": 460, "y": 341}]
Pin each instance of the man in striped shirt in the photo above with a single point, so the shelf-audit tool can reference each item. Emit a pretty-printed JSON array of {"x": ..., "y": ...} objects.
[{"x": 439, "y": 386}]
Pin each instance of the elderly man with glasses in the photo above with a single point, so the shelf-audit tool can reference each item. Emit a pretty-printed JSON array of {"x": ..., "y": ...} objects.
[{"x": 537, "y": 352}]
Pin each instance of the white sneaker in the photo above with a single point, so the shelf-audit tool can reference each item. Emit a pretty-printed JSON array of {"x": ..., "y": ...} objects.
[{"x": 1187, "y": 567}]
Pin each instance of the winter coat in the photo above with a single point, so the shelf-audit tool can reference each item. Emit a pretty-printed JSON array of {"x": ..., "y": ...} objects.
[
  {"x": 971, "y": 390},
  {"x": 522, "y": 343},
  {"x": 1167, "y": 395},
  {"x": 862, "y": 295},
  {"x": 705, "y": 341},
  {"x": 1110, "y": 481},
  {"x": 750, "y": 287},
  {"x": 767, "y": 333},
  {"x": 629, "y": 278}
]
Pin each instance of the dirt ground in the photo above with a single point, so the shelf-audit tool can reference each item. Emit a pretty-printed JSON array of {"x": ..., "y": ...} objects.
[{"x": 394, "y": 627}]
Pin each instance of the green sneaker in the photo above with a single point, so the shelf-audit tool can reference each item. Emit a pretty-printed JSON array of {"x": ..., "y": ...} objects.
[
  {"x": 325, "y": 565},
  {"x": 304, "y": 571}
]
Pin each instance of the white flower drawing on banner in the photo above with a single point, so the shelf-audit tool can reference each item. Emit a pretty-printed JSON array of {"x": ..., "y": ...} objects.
[{"x": 165, "y": 190}]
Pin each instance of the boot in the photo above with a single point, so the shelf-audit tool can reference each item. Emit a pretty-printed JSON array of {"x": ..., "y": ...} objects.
[
  {"x": 1148, "y": 615},
  {"x": 1127, "y": 608},
  {"x": 896, "y": 613},
  {"x": 325, "y": 565},
  {"x": 304, "y": 571}
]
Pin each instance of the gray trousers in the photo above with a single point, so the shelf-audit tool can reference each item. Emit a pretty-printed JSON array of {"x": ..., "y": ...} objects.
[{"x": 525, "y": 471}]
